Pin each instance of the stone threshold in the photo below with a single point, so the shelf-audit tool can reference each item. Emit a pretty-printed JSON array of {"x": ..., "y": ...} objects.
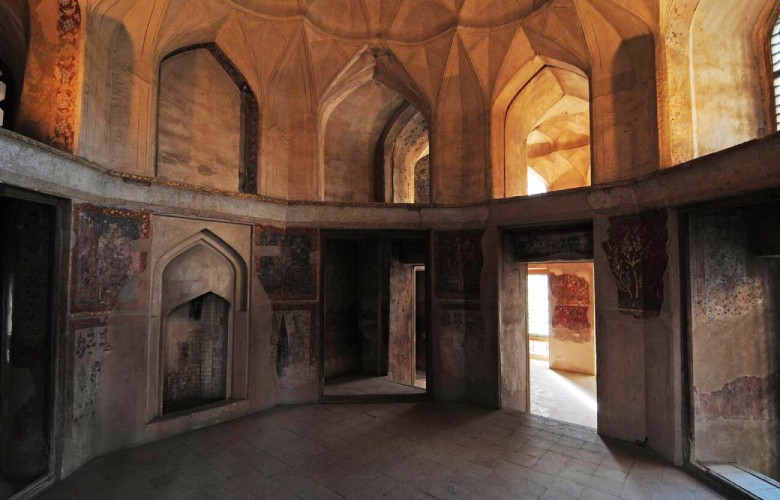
[{"x": 750, "y": 482}]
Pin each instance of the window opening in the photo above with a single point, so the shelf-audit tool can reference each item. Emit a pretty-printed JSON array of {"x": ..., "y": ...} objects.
[
  {"x": 775, "y": 50},
  {"x": 536, "y": 184},
  {"x": 538, "y": 312}
]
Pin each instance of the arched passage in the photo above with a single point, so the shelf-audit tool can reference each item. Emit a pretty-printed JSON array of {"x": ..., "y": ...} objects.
[
  {"x": 373, "y": 133},
  {"x": 547, "y": 129}
]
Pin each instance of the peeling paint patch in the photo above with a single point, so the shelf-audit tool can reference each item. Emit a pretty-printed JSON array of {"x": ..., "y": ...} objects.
[
  {"x": 91, "y": 348},
  {"x": 67, "y": 74},
  {"x": 728, "y": 290},
  {"x": 744, "y": 398},
  {"x": 458, "y": 264},
  {"x": 292, "y": 354}
]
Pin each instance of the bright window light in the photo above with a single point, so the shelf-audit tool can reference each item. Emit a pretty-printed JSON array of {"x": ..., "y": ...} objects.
[
  {"x": 538, "y": 305},
  {"x": 774, "y": 46},
  {"x": 536, "y": 184}
]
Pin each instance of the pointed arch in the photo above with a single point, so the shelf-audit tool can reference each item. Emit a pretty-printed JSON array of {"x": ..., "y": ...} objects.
[
  {"x": 201, "y": 273},
  {"x": 361, "y": 119},
  {"x": 540, "y": 91},
  {"x": 236, "y": 293},
  {"x": 224, "y": 129}
]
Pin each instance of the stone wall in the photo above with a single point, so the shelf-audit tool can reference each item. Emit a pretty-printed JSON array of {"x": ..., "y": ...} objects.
[{"x": 195, "y": 352}]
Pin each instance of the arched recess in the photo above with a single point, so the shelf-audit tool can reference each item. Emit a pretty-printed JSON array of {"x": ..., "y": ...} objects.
[
  {"x": 199, "y": 319},
  {"x": 731, "y": 84},
  {"x": 403, "y": 144},
  {"x": 547, "y": 129},
  {"x": 549, "y": 41},
  {"x": 14, "y": 34},
  {"x": 373, "y": 129},
  {"x": 207, "y": 121},
  {"x": 127, "y": 42}
]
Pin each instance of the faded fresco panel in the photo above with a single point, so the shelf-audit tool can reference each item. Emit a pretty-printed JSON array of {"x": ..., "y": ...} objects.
[
  {"x": 572, "y": 299},
  {"x": 559, "y": 243},
  {"x": 287, "y": 265},
  {"x": 636, "y": 249},
  {"x": 292, "y": 352},
  {"x": 108, "y": 258},
  {"x": 91, "y": 348},
  {"x": 458, "y": 264}
]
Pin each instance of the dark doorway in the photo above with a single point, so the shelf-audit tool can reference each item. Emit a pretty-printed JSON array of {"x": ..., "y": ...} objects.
[
  {"x": 27, "y": 233},
  {"x": 374, "y": 340}
]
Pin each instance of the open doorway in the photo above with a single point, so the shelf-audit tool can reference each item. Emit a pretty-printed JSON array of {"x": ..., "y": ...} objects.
[
  {"x": 562, "y": 341},
  {"x": 375, "y": 322},
  {"x": 27, "y": 276}
]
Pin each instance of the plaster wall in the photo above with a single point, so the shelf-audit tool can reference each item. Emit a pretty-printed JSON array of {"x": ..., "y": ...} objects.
[
  {"x": 375, "y": 270},
  {"x": 513, "y": 327},
  {"x": 199, "y": 122},
  {"x": 734, "y": 343}
]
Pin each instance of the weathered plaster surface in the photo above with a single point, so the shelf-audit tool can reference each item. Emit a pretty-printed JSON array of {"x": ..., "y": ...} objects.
[
  {"x": 734, "y": 342},
  {"x": 112, "y": 250},
  {"x": 286, "y": 263}
]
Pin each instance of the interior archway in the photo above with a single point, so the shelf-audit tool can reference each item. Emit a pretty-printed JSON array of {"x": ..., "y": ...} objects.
[
  {"x": 373, "y": 135},
  {"x": 548, "y": 130}
]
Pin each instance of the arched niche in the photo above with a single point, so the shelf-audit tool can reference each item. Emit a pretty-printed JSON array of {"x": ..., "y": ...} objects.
[
  {"x": 373, "y": 131},
  {"x": 731, "y": 84},
  {"x": 546, "y": 127},
  {"x": 207, "y": 121},
  {"x": 199, "y": 317}
]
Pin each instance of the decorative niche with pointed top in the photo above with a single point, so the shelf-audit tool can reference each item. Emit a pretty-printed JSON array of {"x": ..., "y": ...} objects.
[{"x": 200, "y": 304}]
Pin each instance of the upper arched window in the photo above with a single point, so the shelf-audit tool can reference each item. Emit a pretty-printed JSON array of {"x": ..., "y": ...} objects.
[
  {"x": 207, "y": 121},
  {"x": 546, "y": 136},
  {"x": 374, "y": 137},
  {"x": 774, "y": 46},
  {"x": 536, "y": 183}
]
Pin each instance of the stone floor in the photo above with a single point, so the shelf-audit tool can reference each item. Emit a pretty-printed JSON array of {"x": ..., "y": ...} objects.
[
  {"x": 391, "y": 451},
  {"x": 570, "y": 397},
  {"x": 360, "y": 385}
]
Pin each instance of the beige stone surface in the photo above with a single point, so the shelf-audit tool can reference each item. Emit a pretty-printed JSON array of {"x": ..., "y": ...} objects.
[{"x": 199, "y": 122}]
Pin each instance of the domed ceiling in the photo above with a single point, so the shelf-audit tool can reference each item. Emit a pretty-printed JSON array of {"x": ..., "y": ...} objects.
[{"x": 407, "y": 20}]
